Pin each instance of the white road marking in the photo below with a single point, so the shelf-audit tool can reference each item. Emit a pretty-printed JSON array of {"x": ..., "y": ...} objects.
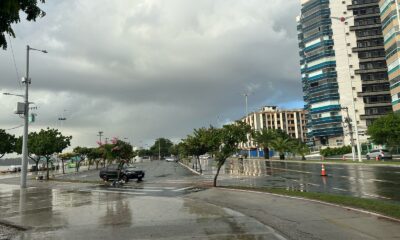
[
  {"x": 313, "y": 184},
  {"x": 182, "y": 189},
  {"x": 109, "y": 191},
  {"x": 340, "y": 189},
  {"x": 376, "y": 196}
]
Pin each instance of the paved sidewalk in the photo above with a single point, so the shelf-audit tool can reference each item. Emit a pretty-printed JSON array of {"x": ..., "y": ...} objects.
[{"x": 302, "y": 219}]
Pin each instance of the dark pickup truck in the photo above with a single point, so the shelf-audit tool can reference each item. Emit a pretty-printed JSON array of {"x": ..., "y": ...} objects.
[{"x": 126, "y": 173}]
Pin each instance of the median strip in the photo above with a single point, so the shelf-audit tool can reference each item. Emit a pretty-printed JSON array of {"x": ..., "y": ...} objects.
[{"x": 380, "y": 208}]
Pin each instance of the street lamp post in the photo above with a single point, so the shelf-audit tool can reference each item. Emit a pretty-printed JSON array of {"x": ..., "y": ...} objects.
[
  {"x": 26, "y": 81},
  {"x": 343, "y": 19}
]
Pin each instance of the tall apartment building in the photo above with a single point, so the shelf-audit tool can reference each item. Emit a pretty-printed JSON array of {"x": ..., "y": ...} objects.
[
  {"x": 342, "y": 64},
  {"x": 389, "y": 10},
  {"x": 293, "y": 122}
]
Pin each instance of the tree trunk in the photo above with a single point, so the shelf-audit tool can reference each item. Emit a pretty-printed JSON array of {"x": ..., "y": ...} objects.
[
  {"x": 282, "y": 156},
  {"x": 88, "y": 165},
  {"x": 77, "y": 165},
  {"x": 303, "y": 157},
  {"x": 266, "y": 153},
  {"x": 216, "y": 175},
  {"x": 37, "y": 166},
  {"x": 2, "y": 155},
  {"x": 97, "y": 165},
  {"x": 63, "y": 170},
  {"x": 47, "y": 169},
  {"x": 200, "y": 169}
]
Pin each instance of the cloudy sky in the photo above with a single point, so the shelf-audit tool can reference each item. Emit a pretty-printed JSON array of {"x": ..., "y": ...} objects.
[{"x": 152, "y": 68}]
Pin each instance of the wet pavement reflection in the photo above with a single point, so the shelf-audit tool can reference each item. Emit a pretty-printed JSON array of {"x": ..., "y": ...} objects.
[
  {"x": 379, "y": 182},
  {"x": 61, "y": 214}
]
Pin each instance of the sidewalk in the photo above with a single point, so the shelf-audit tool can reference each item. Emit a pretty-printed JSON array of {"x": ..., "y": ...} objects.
[{"x": 302, "y": 219}]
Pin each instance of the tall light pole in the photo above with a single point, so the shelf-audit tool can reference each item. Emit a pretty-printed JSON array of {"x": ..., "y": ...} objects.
[
  {"x": 343, "y": 20},
  {"x": 100, "y": 135},
  {"x": 159, "y": 149},
  {"x": 26, "y": 81}
]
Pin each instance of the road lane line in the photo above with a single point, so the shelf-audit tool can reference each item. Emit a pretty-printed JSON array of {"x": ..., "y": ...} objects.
[
  {"x": 376, "y": 196},
  {"x": 109, "y": 191},
  {"x": 340, "y": 189},
  {"x": 182, "y": 189}
]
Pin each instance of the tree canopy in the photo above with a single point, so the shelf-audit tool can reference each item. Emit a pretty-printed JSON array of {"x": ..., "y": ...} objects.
[
  {"x": 7, "y": 143},
  {"x": 46, "y": 143},
  {"x": 10, "y": 14},
  {"x": 165, "y": 146},
  {"x": 386, "y": 130}
]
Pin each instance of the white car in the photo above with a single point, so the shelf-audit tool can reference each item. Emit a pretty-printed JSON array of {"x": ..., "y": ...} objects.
[{"x": 171, "y": 159}]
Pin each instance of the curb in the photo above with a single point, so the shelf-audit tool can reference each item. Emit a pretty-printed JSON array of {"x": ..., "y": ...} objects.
[
  {"x": 189, "y": 168},
  {"x": 317, "y": 201}
]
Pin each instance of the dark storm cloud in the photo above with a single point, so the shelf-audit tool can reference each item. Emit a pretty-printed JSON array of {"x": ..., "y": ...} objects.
[{"x": 153, "y": 68}]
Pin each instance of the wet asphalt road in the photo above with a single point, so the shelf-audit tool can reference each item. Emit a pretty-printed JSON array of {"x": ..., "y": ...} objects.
[
  {"x": 155, "y": 208},
  {"x": 376, "y": 182},
  {"x": 172, "y": 203}
]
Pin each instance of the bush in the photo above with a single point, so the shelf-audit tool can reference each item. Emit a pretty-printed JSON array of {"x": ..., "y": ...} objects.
[{"x": 335, "y": 151}]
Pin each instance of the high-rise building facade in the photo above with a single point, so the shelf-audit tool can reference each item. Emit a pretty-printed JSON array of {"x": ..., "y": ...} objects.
[
  {"x": 389, "y": 10},
  {"x": 343, "y": 69},
  {"x": 371, "y": 53}
]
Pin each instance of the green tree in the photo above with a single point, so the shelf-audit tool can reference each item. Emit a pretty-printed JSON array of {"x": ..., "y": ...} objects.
[
  {"x": 226, "y": 142},
  {"x": 65, "y": 157},
  {"x": 94, "y": 155},
  {"x": 264, "y": 139},
  {"x": 163, "y": 145},
  {"x": 281, "y": 144},
  {"x": 10, "y": 14},
  {"x": 7, "y": 143},
  {"x": 299, "y": 147},
  {"x": 386, "y": 130},
  {"x": 46, "y": 143},
  {"x": 81, "y": 155}
]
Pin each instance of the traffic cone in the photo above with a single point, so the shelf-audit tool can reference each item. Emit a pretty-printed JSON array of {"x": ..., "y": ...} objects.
[{"x": 323, "y": 172}]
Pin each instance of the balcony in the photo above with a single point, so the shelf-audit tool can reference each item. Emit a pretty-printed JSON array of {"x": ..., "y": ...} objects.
[
  {"x": 362, "y": 60},
  {"x": 370, "y": 48},
  {"x": 371, "y": 117},
  {"x": 365, "y": 94},
  {"x": 361, "y": 5},
  {"x": 360, "y": 71},
  {"x": 362, "y": 27},
  {"x": 381, "y": 104},
  {"x": 369, "y": 37}
]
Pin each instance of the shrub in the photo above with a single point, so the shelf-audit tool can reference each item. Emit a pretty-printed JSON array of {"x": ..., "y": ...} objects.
[{"x": 335, "y": 151}]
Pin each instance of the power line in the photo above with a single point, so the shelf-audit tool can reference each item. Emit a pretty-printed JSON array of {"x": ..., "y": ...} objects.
[
  {"x": 15, "y": 64},
  {"x": 14, "y": 127}
]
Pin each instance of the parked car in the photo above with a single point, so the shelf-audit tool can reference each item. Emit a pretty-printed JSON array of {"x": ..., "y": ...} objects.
[
  {"x": 126, "y": 173},
  {"x": 14, "y": 168},
  {"x": 380, "y": 153},
  {"x": 171, "y": 159}
]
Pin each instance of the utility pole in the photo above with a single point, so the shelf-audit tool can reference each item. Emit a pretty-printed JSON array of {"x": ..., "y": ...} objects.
[
  {"x": 100, "y": 135},
  {"x": 350, "y": 126},
  {"x": 27, "y": 82},
  {"x": 159, "y": 149}
]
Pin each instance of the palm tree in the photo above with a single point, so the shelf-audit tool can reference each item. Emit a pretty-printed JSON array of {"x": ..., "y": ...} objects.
[
  {"x": 299, "y": 147},
  {"x": 281, "y": 144},
  {"x": 264, "y": 139}
]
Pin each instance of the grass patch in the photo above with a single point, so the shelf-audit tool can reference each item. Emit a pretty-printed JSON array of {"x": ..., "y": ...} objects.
[
  {"x": 382, "y": 207},
  {"x": 348, "y": 161}
]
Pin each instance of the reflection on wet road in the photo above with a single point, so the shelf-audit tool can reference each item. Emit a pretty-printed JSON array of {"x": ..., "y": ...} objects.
[
  {"x": 153, "y": 209},
  {"x": 381, "y": 182}
]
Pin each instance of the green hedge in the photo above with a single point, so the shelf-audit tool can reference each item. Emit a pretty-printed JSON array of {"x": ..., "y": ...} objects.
[{"x": 335, "y": 151}]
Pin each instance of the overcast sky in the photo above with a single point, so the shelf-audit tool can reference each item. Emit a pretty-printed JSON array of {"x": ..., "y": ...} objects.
[{"x": 152, "y": 68}]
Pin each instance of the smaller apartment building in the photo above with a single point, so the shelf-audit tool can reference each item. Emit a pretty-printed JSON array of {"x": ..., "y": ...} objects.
[{"x": 293, "y": 122}]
